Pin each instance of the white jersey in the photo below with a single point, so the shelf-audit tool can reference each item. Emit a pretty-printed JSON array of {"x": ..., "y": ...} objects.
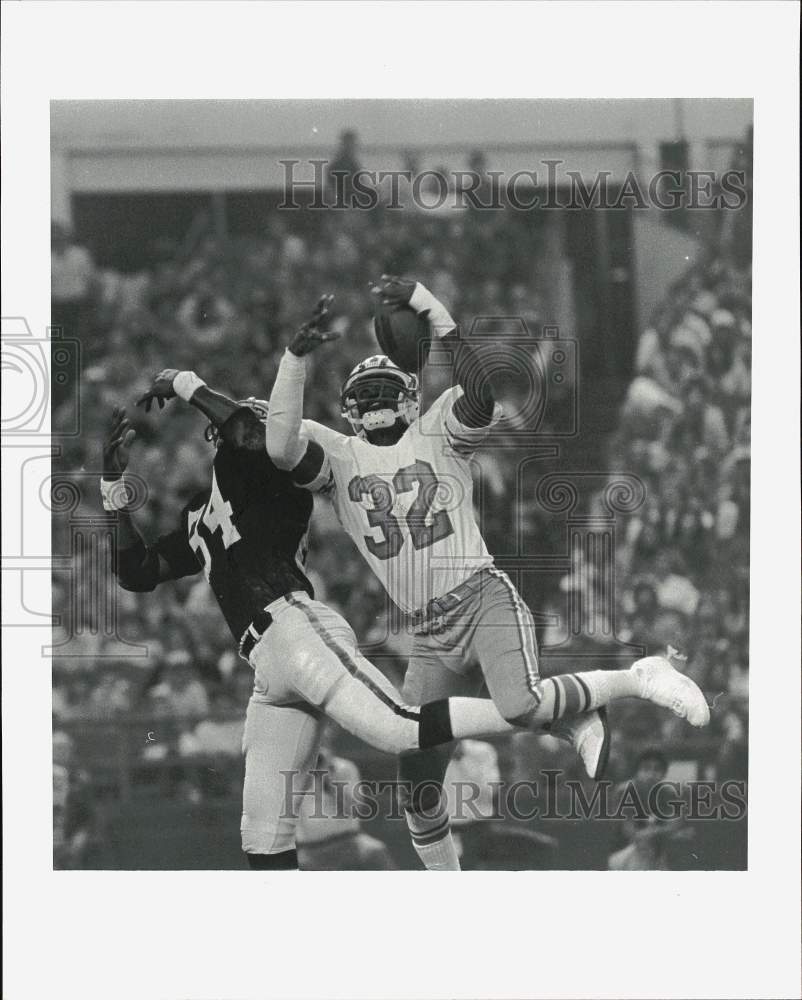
[{"x": 409, "y": 506}]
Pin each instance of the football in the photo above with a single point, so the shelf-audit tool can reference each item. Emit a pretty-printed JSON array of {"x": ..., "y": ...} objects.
[{"x": 403, "y": 335}]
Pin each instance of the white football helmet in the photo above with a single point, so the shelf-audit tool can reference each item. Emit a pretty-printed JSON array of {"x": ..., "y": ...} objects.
[{"x": 378, "y": 393}]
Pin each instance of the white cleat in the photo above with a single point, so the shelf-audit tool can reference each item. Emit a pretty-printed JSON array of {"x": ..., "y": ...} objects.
[
  {"x": 589, "y": 735},
  {"x": 662, "y": 684}
]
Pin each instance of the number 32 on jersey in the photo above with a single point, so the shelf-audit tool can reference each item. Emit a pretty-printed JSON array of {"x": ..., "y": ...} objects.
[{"x": 383, "y": 496}]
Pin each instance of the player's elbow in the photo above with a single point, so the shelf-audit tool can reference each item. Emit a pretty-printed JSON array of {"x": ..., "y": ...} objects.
[
  {"x": 137, "y": 569},
  {"x": 284, "y": 451},
  {"x": 279, "y": 455}
]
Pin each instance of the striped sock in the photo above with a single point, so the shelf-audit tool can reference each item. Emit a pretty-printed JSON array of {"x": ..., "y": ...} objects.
[
  {"x": 431, "y": 837},
  {"x": 572, "y": 694},
  {"x": 569, "y": 694}
]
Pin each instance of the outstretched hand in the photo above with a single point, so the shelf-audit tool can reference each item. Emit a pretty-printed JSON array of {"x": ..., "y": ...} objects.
[
  {"x": 117, "y": 444},
  {"x": 392, "y": 291},
  {"x": 161, "y": 389},
  {"x": 313, "y": 333}
]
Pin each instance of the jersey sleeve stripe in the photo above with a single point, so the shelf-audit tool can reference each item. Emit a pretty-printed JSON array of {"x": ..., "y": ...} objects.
[
  {"x": 313, "y": 472},
  {"x": 465, "y": 438},
  {"x": 349, "y": 664},
  {"x": 322, "y": 481},
  {"x": 463, "y": 444}
]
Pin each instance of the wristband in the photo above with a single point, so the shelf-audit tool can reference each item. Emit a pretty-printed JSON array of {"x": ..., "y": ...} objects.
[
  {"x": 186, "y": 384},
  {"x": 295, "y": 364},
  {"x": 439, "y": 317},
  {"x": 114, "y": 493}
]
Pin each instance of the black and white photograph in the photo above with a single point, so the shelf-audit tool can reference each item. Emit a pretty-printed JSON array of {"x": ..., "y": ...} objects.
[
  {"x": 381, "y": 499},
  {"x": 423, "y": 477}
]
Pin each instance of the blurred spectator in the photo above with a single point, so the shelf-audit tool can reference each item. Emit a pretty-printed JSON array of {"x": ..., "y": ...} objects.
[
  {"x": 330, "y": 835},
  {"x": 219, "y": 735},
  {"x": 647, "y": 834},
  {"x": 684, "y": 430},
  {"x": 487, "y": 839},
  {"x": 700, "y": 429},
  {"x": 111, "y": 695},
  {"x": 344, "y": 164},
  {"x": 186, "y": 695},
  {"x": 474, "y": 763},
  {"x": 74, "y": 821},
  {"x": 72, "y": 280}
]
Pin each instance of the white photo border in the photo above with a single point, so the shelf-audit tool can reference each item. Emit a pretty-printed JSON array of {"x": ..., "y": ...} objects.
[{"x": 525, "y": 934}]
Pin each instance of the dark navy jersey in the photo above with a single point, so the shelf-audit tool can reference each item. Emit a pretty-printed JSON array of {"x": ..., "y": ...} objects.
[{"x": 247, "y": 531}]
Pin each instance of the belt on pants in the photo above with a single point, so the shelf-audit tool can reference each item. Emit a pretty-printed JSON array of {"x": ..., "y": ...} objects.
[
  {"x": 254, "y": 632},
  {"x": 262, "y": 622},
  {"x": 439, "y": 606}
]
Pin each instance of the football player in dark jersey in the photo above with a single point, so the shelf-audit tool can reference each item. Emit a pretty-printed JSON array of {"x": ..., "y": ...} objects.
[{"x": 247, "y": 532}]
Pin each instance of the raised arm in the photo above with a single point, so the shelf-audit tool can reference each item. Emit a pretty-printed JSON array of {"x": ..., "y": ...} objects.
[
  {"x": 477, "y": 406},
  {"x": 287, "y": 445},
  {"x": 137, "y": 565},
  {"x": 235, "y": 422}
]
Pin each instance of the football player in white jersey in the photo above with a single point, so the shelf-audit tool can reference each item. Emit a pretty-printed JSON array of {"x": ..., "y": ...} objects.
[{"x": 402, "y": 489}]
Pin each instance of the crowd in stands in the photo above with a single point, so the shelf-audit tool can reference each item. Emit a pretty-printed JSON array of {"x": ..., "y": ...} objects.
[
  {"x": 225, "y": 307},
  {"x": 685, "y": 430}
]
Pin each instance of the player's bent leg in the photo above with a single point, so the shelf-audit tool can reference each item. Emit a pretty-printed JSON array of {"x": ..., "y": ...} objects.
[
  {"x": 324, "y": 668},
  {"x": 368, "y": 706},
  {"x": 362, "y": 709},
  {"x": 281, "y": 744},
  {"x": 384, "y": 722},
  {"x": 505, "y": 644},
  {"x": 651, "y": 679},
  {"x": 505, "y": 634},
  {"x": 322, "y": 664}
]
